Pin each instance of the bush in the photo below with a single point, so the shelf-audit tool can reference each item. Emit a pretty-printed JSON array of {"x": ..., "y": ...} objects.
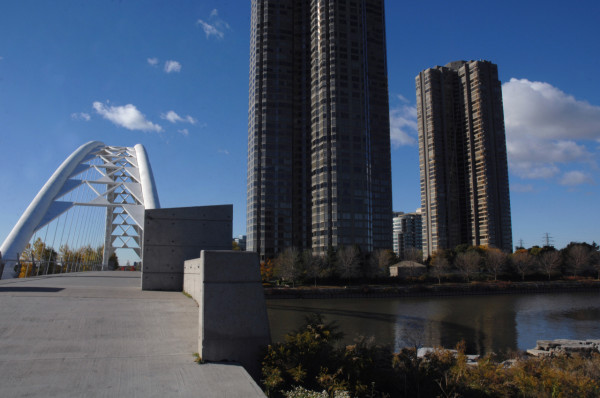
[{"x": 310, "y": 360}]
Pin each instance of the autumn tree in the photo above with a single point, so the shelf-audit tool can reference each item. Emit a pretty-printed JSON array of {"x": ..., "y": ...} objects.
[
  {"x": 468, "y": 263},
  {"x": 287, "y": 265},
  {"x": 266, "y": 270},
  {"x": 549, "y": 262},
  {"x": 347, "y": 262},
  {"x": 522, "y": 261},
  {"x": 495, "y": 259}
]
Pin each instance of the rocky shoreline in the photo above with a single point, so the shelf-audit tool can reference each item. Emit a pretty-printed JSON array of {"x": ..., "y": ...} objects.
[
  {"x": 550, "y": 348},
  {"x": 422, "y": 290}
]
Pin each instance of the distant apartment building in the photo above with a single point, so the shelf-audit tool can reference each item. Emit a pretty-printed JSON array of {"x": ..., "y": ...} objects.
[
  {"x": 463, "y": 163},
  {"x": 407, "y": 233},
  {"x": 241, "y": 242},
  {"x": 319, "y": 161}
]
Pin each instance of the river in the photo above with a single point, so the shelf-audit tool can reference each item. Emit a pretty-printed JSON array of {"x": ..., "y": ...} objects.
[{"x": 497, "y": 323}]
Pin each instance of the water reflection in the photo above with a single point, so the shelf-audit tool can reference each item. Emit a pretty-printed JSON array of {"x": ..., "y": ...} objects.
[{"x": 486, "y": 323}]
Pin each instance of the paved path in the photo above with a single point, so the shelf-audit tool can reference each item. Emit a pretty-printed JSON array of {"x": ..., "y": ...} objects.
[{"x": 96, "y": 334}]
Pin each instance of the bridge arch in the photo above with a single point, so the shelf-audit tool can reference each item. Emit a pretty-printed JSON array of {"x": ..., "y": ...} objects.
[{"x": 117, "y": 179}]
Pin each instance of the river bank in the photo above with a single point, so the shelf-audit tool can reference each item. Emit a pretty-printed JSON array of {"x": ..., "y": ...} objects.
[{"x": 431, "y": 290}]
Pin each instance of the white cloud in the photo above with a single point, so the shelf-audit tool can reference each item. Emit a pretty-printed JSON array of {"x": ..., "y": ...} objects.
[
  {"x": 127, "y": 116},
  {"x": 224, "y": 151},
  {"x": 172, "y": 66},
  {"x": 173, "y": 117},
  {"x": 215, "y": 26},
  {"x": 542, "y": 110},
  {"x": 152, "y": 61},
  {"x": 184, "y": 132},
  {"x": 403, "y": 125},
  {"x": 546, "y": 129},
  {"x": 81, "y": 116},
  {"x": 403, "y": 98},
  {"x": 521, "y": 187},
  {"x": 573, "y": 178}
]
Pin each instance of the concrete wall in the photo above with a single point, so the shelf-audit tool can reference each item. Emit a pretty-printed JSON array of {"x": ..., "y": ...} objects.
[
  {"x": 233, "y": 313},
  {"x": 174, "y": 235}
]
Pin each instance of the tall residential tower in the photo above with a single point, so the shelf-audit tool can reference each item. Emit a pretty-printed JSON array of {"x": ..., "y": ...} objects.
[
  {"x": 462, "y": 149},
  {"x": 319, "y": 168}
]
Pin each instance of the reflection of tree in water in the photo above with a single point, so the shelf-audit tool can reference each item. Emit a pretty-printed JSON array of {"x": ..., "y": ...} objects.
[
  {"x": 485, "y": 323},
  {"x": 579, "y": 314},
  {"x": 409, "y": 333}
]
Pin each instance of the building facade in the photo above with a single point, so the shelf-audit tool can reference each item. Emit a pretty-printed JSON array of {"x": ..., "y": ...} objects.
[
  {"x": 319, "y": 167},
  {"x": 463, "y": 162},
  {"x": 407, "y": 233}
]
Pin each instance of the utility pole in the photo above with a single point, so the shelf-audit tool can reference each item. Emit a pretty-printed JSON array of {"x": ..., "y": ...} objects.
[
  {"x": 548, "y": 240},
  {"x": 521, "y": 243}
]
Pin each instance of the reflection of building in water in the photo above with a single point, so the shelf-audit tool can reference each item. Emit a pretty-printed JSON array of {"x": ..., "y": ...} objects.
[{"x": 485, "y": 325}]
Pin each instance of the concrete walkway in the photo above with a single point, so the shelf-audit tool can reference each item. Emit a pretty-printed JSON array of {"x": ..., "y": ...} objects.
[{"x": 96, "y": 334}]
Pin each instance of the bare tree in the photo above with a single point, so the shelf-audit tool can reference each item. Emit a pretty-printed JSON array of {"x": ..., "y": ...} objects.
[
  {"x": 287, "y": 265},
  {"x": 379, "y": 263},
  {"x": 313, "y": 265},
  {"x": 468, "y": 263},
  {"x": 413, "y": 254},
  {"x": 578, "y": 256},
  {"x": 439, "y": 265},
  {"x": 523, "y": 262},
  {"x": 549, "y": 262},
  {"x": 347, "y": 262},
  {"x": 495, "y": 259}
]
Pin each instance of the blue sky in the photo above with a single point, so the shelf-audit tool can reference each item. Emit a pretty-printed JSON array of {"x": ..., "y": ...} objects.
[{"x": 173, "y": 75}]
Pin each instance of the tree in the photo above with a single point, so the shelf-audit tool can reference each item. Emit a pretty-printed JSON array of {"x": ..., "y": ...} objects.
[
  {"x": 37, "y": 258},
  {"x": 347, "y": 262},
  {"x": 522, "y": 261},
  {"x": 439, "y": 264},
  {"x": 266, "y": 270},
  {"x": 235, "y": 246},
  {"x": 495, "y": 259},
  {"x": 287, "y": 265},
  {"x": 313, "y": 265},
  {"x": 113, "y": 261},
  {"x": 595, "y": 262},
  {"x": 413, "y": 254},
  {"x": 549, "y": 262},
  {"x": 379, "y": 263},
  {"x": 578, "y": 256},
  {"x": 467, "y": 263}
]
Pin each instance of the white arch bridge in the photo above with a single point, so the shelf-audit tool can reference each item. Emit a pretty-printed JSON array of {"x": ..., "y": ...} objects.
[{"x": 91, "y": 208}]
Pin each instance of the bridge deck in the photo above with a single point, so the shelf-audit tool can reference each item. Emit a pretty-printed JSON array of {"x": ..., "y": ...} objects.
[{"x": 98, "y": 334}]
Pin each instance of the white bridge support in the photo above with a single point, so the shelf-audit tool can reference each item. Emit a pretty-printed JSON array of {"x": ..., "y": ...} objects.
[{"x": 125, "y": 173}]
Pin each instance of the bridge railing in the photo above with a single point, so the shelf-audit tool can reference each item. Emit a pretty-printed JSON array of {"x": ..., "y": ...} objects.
[{"x": 30, "y": 268}]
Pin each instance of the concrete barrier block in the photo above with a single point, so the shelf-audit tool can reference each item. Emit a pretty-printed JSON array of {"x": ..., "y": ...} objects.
[
  {"x": 233, "y": 323},
  {"x": 174, "y": 235},
  {"x": 162, "y": 281},
  {"x": 237, "y": 266},
  {"x": 216, "y": 212},
  {"x": 188, "y": 232}
]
